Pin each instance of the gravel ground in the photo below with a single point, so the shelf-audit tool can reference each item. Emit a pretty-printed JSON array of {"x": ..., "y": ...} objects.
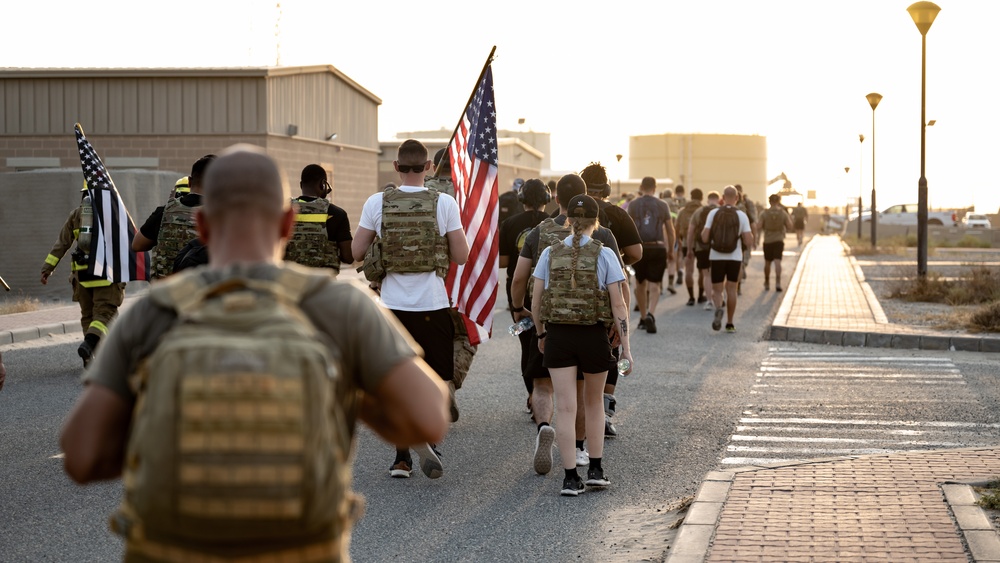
[{"x": 885, "y": 271}]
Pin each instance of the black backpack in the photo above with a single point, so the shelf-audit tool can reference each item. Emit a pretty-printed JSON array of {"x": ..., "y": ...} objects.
[{"x": 724, "y": 235}]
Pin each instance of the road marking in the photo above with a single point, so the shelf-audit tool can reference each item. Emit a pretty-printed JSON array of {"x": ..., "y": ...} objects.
[
  {"x": 755, "y": 460},
  {"x": 871, "y": 422},
  {"x": 807, "y": 430},
  {"x": 815, "y": 440}
]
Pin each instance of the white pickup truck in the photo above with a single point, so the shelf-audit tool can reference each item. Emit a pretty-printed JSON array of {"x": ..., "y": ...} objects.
[{"x": 906, "y": 215}]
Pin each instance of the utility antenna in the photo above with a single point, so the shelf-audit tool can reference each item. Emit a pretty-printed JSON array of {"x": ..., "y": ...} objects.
[{"x": 277, "y": 36}]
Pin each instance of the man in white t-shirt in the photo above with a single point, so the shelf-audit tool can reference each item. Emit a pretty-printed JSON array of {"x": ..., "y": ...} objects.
[
  {"x": 418, "y": 298},
  {"x": 726, "y": 266}
]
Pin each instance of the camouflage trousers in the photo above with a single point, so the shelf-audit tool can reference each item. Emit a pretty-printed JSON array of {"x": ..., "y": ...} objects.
[{"x": 464, "y": 350}]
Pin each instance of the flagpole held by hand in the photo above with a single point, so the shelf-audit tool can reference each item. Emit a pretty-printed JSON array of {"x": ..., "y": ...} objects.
[{"x": 489, "y": 59}]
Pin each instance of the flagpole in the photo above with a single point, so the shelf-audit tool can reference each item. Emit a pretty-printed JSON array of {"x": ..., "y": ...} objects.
[{"x": 489, "y": 59}]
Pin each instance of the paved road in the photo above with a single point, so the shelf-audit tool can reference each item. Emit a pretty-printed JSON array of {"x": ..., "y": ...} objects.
[{"x": 694, "y": 393}]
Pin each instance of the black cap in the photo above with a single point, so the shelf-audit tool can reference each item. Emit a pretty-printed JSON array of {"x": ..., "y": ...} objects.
[{"x": 583, "y": 206}]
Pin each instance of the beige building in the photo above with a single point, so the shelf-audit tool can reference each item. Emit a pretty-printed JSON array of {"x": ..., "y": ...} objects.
[
  {"x": 150, "y": 125},
  {"x": 701, "y": 160}
]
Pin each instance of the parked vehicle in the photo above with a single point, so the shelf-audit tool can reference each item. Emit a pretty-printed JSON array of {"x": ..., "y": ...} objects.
[
  {"x": 976, "y": 220},
  {"x": 906, "y": 215}
]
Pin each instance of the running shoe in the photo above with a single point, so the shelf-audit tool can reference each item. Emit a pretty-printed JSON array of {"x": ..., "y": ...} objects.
[
  {"x": 596, "y": 478},
  {"x": 717, "y": 321},
  {"x": 702, "y": 299},
  {"x": 650, "y": 324},
  {"x": 690, "y": 302},
  {"x": 708, "y": 306},
  {"x": 642, "y": 324},
  {"x": 609, "y": 428},
  {"x": 680, "y": 277},
  {"x": 730, "y": 329},
  {"x": 609, "y": 404},
  {"x": 572, "y": 486},
  {"x": 430, "y": 460},
  {"x": 767, "y": 286},
  {"x": 671, "y": 289},
  {"x": 401, "y": 469},
  {"x": 777, "y": 289},
  {"x": 543, "y": 449},
  {"x": 582, "y": 457}
]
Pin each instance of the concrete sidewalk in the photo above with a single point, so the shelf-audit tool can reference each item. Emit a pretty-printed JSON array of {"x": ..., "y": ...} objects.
[{"x": 896, "y": 507}]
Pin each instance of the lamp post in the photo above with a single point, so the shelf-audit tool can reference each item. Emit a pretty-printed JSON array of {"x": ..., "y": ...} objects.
[
  {"x": 873, "y": 100},
  {"x": 861, "y": 183},
  {"x": 619, "y": 158},
  {"x": 923, "y": 14}
]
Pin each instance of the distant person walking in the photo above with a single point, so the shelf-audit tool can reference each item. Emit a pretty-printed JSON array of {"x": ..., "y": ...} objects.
[
  {"x": 799, "y": 218},
  {"x": 774, "y": 223},
  {"x": 652, "y": 218},
  {"x": 725, "y": 229},
  {"x": 687, "y": 243},
  {"x": 702, "y": 249}
]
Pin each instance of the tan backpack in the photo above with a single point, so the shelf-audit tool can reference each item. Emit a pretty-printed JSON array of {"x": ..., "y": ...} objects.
[{"x": 239, "y": 437}]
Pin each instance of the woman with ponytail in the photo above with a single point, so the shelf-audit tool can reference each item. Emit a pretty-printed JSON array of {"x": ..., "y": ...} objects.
[{"x": 581, "y": 296}]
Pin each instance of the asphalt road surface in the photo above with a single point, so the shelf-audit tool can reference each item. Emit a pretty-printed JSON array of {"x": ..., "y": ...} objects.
[{"x": 685, "y": 411}]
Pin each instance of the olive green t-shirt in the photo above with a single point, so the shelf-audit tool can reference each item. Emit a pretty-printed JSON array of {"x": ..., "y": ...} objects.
[{"x": 366, "y": 340}]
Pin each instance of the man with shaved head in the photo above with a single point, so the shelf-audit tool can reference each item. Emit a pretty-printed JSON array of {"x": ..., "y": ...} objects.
[
  {"x": 245, "y": 221},
  {"x": 727, "y": 231}
]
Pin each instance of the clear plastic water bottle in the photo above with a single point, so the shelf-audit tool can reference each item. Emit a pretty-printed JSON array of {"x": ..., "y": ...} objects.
[
  {"x": 524, "y": 324},
  {"x": 623, "y": 366}
]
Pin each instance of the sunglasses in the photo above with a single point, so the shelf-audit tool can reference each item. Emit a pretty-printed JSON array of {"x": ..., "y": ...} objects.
[{"x": 407, "y": 168}]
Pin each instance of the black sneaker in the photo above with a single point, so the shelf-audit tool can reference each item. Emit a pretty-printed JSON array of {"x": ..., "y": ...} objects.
[
  {"x": 730, "y": 329},
  {"x": 595, "y": 477},
  {"x": 430, "y": 460},
  {"x": 690, "y": 302},
  {"x": 680, "y": 277},
  {"x": 642, "y": 324},
  {"x": 401, "y": 469},
  {"x": 717, "y": 321},
  {"x": 702, "y": 299},
  {"x": 543, "y": 449},
  {"x": 650, "y": 324},
  {"x": 572, "y": 486}
]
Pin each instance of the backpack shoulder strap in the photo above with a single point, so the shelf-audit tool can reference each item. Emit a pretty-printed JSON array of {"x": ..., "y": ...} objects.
[{"x": 185, "y": 291}]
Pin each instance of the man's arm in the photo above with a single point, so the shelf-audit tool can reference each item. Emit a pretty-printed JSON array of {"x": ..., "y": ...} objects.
[
  {"x": 749, "y": 240},
  {"x": 632, "y": 253},
  {"x": 346, "y": 252},
  {"x": 141, "y": 243},
  {"x": 519, "y": 286},
  {"x": 409, "y": 406},
  {"x": 95, "y": 434},
  {"x": 362, "y": 240},
  {"x": 458, "y": 246},
  {"x": 63, "y": 243}
]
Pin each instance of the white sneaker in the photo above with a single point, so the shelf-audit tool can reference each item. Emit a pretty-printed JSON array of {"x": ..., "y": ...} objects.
[
  {"x": 582, "y": 457},
  {"x": 709, "y": 306},
  {"x": 543, "y": 449}
]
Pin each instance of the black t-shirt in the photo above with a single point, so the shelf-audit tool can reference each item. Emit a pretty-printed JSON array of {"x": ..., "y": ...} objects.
[
  {"x": 513, "y": 233},
  {"x": 338, "y": 226},
  {"x": 151, "y": 228},
  {"x": 618, "y": 221},
  {"x": 509, "y": 206}
]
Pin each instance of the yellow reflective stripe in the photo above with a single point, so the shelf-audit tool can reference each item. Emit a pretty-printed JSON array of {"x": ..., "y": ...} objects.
[
  {"x": 51, "y": 260},
  {"x": 78, "y": 267},
  {"x": 99, "y": 326},
  {"x": 311, "y": 217},
  {"x": 95, "y": 283},
  {"x": 76, "y": 234}
]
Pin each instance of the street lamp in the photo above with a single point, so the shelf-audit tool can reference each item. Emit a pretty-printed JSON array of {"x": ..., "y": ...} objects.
[
  {"x": 619, "y": 158},
  {"x": 861, "y": 183},
  {"x": 923, "y": 14},
  {"x": 873, "y": 100}
]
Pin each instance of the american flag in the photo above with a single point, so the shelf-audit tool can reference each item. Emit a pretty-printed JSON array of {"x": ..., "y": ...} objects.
[
  {"x": 111, "y": 255},
  {"x": 473, "y": 155}
]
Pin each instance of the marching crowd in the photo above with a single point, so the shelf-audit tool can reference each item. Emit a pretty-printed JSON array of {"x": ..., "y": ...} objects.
[{"x": 227, "y": 397}]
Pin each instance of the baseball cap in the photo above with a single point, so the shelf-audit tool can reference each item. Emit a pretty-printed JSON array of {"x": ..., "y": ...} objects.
[
  {"x": 518, "y": 183},
  {"x": 583, "y": 206}
]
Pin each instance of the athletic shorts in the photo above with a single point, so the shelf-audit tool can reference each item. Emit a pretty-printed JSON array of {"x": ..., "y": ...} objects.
[
  {"x": 533, "y": 368},
  {"x": 684, "y": 252},
  {"x": 773, "y": 250},
  {"x": 652, "y": 264},
  {"x": 434, "y": 331},
  {"x": 800, "y": 224},
  {"x": 584, "y": 346},
  {"x": 701, "y": 256},
  {"x": 723, "y": 270}
]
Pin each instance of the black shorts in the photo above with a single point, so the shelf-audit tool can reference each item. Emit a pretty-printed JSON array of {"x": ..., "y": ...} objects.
[
  {"x": 584, "y": 346},
  {"x": 726, "y": 269},
  {"x": 434, "y": 331},
  {"x": 533, "y": 368},
  {"x": 652, "y": 264},
  {"x": 800, "y": 224},
  {"x": 701, "y": 256},
  {"x": 774, "y": 250}
]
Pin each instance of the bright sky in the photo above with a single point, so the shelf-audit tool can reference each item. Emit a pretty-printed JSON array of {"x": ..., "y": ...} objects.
[{"x": 595, "y": 72}]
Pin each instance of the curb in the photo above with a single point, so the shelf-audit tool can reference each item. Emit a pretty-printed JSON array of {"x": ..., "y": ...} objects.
[{"x": 694, "y": 539}]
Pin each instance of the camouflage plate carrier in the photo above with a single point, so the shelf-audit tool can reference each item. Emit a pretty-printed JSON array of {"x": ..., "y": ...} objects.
[
  {"x": 176, "y": 229},
  {"x": 549, "y": 233},
  {"x": 440, "y": 185},
  {"x": 240, "y": 442},
  {"x": 310, "y": 245},
  {"x": 411, "y": 240},
  {"x": 573, "y": 296}
]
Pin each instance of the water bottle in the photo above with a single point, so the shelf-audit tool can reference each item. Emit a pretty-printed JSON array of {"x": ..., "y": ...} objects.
[
  {"x": 623, "y": 366},
  {"x": 524, "y": 324}
]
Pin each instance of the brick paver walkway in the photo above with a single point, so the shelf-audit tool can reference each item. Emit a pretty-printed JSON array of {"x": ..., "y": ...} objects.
[
  {"x": 879, "y": 508},
  {"x": 827, "y": 292}
]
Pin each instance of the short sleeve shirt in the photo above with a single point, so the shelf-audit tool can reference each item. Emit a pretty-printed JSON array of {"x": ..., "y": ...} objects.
[
  {"x": 608, "y": 270},
  {"x": 419, "y": 291},
  {"x": 604, "y": 236},
  {"x": 650, "y": 214},
  {"x": 366, "y": 347},
  {"x": 744, "y": 228},
  {"x": 621, "y": 225}
]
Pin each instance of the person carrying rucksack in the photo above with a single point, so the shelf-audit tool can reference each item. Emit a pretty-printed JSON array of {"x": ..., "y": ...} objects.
[
  {"x": 656, "y": 227},
  {"x": 228, "y": 396},
  {"x": 725, "y": 228},
  {"x": 774, "y": 223}
]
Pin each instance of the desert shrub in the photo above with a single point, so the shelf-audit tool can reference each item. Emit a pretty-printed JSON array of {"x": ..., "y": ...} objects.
[
  {"x": 18, "y": 304},
  {"x": 986, "y": 318}
]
